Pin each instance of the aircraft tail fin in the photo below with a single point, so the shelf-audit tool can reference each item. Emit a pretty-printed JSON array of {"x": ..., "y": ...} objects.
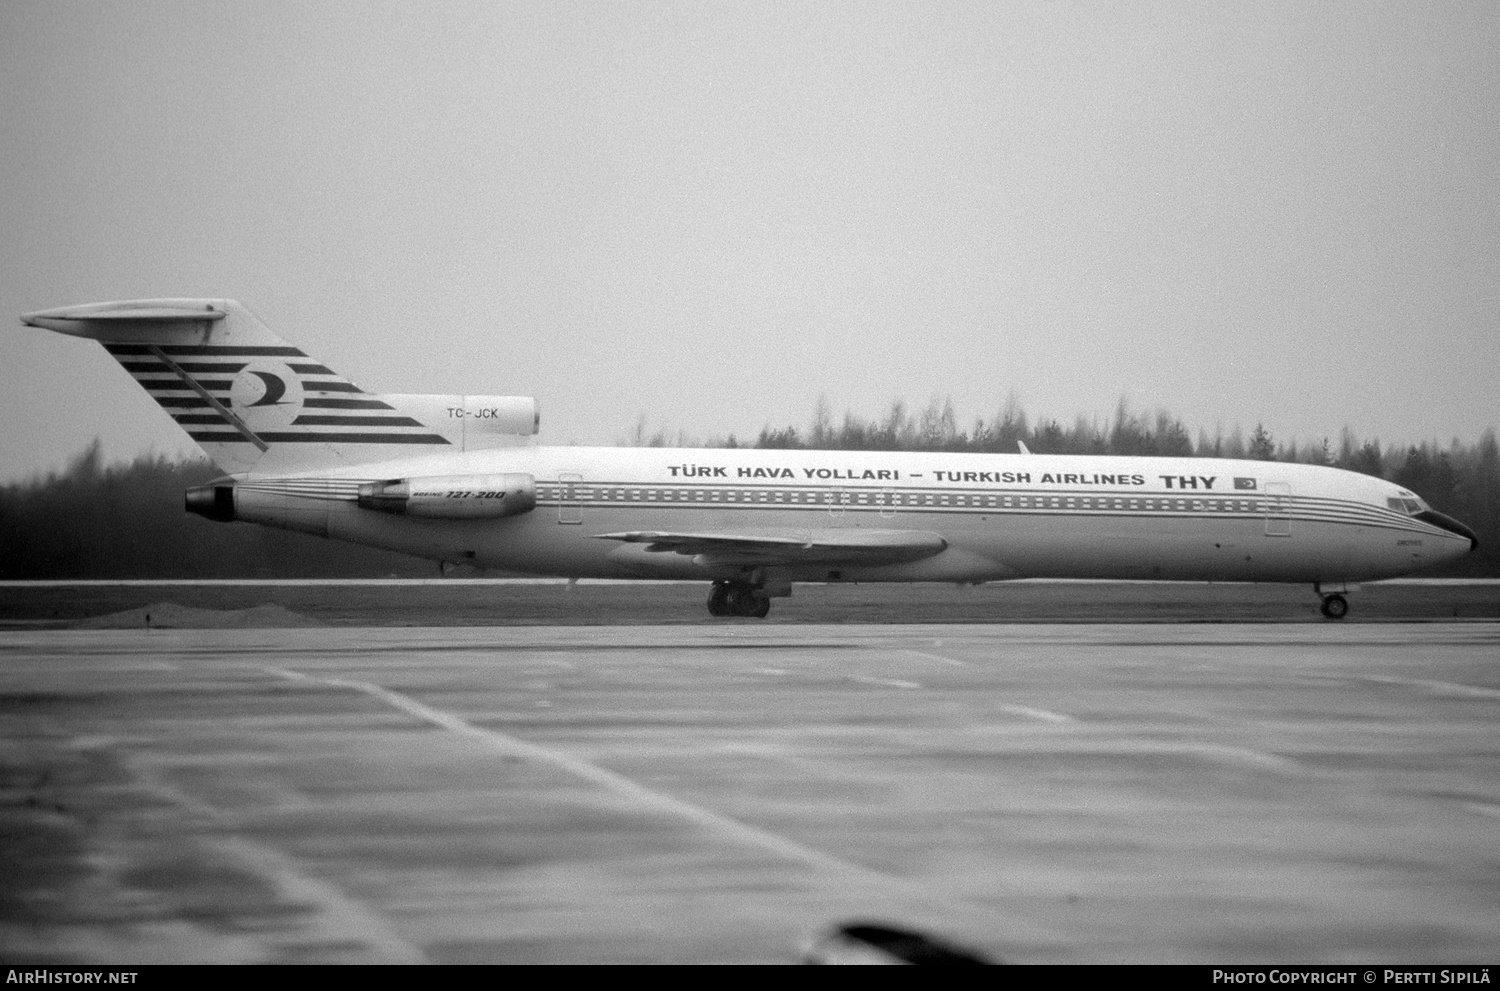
[{"x": 249, "y": 399}]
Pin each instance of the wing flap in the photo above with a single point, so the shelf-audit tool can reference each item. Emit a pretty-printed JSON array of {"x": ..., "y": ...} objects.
[{"x": 827, "y": 546}]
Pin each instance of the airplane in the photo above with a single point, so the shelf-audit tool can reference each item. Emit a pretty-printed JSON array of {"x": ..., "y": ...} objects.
[{"x": 460, "y": 479}]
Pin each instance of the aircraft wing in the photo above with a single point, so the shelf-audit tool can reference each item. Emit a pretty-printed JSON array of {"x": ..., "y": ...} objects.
[{"x": 823, "y": 546}]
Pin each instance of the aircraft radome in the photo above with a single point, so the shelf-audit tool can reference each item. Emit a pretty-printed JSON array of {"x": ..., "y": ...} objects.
[{"x": 460, "y": 479}]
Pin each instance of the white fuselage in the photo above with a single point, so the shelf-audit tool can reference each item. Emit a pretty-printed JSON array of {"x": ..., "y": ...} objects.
[{"x": 1001, "y": 515}]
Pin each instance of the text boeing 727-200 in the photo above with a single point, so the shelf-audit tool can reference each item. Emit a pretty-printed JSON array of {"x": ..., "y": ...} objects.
[{"x": 457, "y": 479}]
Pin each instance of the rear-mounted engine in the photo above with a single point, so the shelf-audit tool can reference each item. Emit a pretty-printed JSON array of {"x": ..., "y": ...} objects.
[
  {"x": 460, "y": 497},
  {"x": 216, "y": 502}
]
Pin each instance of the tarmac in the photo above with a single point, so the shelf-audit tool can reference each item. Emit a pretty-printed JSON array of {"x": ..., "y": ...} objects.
[{"x": 1162, "y": 793}]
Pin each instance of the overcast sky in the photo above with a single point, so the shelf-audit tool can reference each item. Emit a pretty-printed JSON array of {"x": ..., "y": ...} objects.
[{"x": 711, "y": 213}]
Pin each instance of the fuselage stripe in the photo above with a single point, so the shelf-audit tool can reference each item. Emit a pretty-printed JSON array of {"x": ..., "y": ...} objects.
[
  {"x": 311, "y": 437},
  {"x": 192, "y": 367},
  {"x": 206, "y": 350},
  {"x": 317, "y": 386},
  {"x": 163, "y": 385},
  {"x": 356, "y": 421},
  {"x": 313, "y": 402}
]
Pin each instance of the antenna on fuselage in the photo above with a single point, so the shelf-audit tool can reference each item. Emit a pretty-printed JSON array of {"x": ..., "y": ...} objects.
[{"x": 1022, "y": 445}]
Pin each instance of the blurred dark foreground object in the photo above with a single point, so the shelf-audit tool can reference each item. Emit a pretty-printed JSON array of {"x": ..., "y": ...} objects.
[{"x": 872, "y": 943}]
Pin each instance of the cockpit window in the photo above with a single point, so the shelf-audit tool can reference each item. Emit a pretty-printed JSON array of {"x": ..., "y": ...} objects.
[{"x": 1411, "y": 507}]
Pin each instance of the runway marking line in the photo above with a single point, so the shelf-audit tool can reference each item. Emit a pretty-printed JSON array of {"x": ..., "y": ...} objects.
[
  {"x": 1438, "y": 687},
  {"x": 617, "y": 784},
  {"x": 865, "y": 679},
  {"x": 724, "y": 825},
  {"x": 1045, "y": 715},
  {"x": 938, "y": 657},
  {"x": 337, "y": 915}
]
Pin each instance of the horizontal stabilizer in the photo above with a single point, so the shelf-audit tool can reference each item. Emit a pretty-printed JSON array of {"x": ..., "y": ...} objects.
[{"x": 102, "y": 321}]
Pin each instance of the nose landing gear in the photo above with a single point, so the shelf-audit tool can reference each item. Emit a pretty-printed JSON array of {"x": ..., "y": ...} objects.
[{"x": 738, "y": 599}]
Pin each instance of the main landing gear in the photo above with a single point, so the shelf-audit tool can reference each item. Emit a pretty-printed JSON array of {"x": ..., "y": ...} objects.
[
  {"x": 1335, "y": 606},
  {"x": 738, "y": 599}
]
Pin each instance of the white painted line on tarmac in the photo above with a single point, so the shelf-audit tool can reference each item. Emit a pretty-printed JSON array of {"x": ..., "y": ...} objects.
[
  {"x": 733, "y": 829},
  {"x": 617, "y": 784},
  {"x": 937, "y": 657},
  {"x": 1045, "y": 715},
  {"x": 1436, "y": 687},
  {"x": 333, "y": 915},
  {"x": 865, "y": 679}
]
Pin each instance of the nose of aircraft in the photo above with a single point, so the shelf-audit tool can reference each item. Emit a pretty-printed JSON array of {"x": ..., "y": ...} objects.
[{"x": 1450, "y": 524}]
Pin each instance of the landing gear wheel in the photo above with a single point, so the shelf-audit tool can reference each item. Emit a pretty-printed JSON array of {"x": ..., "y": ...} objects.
[
  {"x": 1335, "y": 606},
  {"x": 738, "y": 600}
]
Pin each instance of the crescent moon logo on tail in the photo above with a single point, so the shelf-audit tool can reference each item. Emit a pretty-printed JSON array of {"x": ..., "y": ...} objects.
[{"x": 275, "y": 389}]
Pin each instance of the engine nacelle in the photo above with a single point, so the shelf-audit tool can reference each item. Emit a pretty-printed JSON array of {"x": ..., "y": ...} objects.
[{"x": 452, "y": 497}]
